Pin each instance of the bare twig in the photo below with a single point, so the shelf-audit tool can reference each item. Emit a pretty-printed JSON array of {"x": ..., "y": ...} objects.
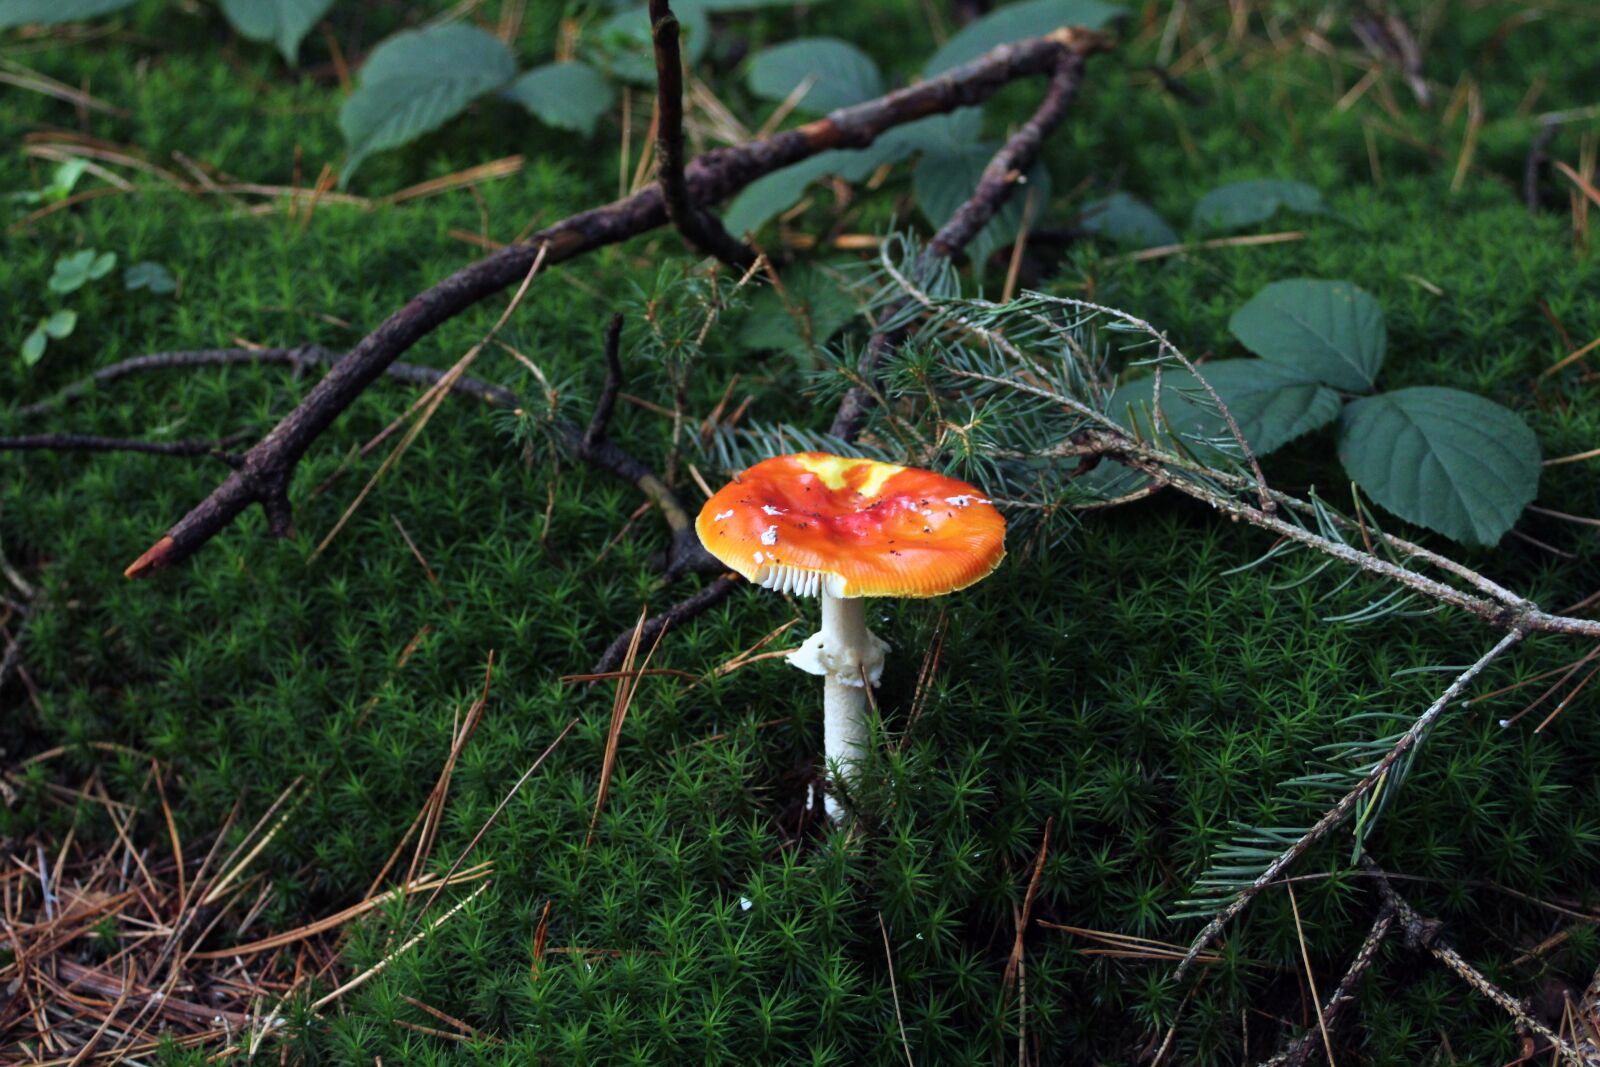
[
  {"x": 702, "y": 230},
  {"x": 297, "y": 358},
  {"x": 999, "y": 180},
  {"x": 1300, "y": 1052},
  {"x": 263, "y": 476},
  {"x": 80, "y": 442}
]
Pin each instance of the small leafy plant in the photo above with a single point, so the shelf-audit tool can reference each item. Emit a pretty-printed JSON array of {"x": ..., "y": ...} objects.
[
  {"x": 1449, "y": 460},
  {"x": 76, "y": 270}
]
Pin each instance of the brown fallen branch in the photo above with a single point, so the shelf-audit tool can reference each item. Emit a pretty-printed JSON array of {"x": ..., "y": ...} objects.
[
  {"x": 264, "y": 472},
  {"x": 1004, "y": 172},
  {"x": 298, "y": 358},
  {"x": 1306, "y": 1046},
  {"x": 703, "y": 231},
  {"x": 82, "y": 442},
  {"x": 593, "y": 446}
]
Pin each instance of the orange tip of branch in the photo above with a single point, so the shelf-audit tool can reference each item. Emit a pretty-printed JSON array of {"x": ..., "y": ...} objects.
[{"x": 154, "y": 556}]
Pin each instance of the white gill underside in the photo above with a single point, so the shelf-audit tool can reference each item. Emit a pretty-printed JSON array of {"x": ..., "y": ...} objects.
[{"x": 782, "y": 578}]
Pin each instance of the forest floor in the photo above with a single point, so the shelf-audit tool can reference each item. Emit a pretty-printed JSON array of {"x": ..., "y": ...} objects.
[{"x": 267, "y": 721}]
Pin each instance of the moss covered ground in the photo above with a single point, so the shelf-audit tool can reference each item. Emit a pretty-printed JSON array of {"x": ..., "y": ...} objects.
[{"x": 1127, "y": 683}]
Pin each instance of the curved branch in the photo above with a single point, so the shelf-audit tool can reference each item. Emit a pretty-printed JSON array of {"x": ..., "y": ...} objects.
[
  {"x": 82, "y": 442},
  {"x": 297, "y": 357},
  {"x": 700, "y": 228},
  {"x": 264, "y": 474}
]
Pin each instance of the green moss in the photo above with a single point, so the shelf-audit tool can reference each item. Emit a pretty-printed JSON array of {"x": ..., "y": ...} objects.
[{"x": 1122, "y": 684}]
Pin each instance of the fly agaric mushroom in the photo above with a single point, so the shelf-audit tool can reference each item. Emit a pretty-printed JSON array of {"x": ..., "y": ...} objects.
[{"x": 846, "y": 529}]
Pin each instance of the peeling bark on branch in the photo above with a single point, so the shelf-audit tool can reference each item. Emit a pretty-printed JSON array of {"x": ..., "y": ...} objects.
[{"x": 264, "y": 474}]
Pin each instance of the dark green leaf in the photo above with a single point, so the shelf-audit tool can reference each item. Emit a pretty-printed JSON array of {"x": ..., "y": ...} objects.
[
  {"x": 945, "y": 179},
  {"x": 151, "y": 276},
  {"x": 812, "y": 307},
  {"x": 1331, "y": 331},
  {"x": 570, "y": 96},
  {"x": 1273, "y": 405},
  {"x": 1448, "y": 460},
  {"x": 1127, "y": 220},
  {"x": 71, "y": 272},
  {"x": 281, "y": 22},
  {"x": 840, "y": 73},
  {"x": 1014, "y": 22},
  {"x": 417, "y": 81},
  {"x": 1246, "y": 203},
  {"x": 626, "y": 48},
  {"x": 768, "y": 197},
  {"x": 45, "y": 12}
]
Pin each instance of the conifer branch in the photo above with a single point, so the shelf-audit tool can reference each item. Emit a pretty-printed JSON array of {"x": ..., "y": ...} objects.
[
  {"x": 1424, "y": 933},
  {"x": 1371, "y": 780}
]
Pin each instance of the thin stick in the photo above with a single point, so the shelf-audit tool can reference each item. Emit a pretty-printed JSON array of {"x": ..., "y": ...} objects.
[
  {"x": 1311, "y": 978},
  {"x": 894, "y": 992},
  {"x": 699, "y": 228}
]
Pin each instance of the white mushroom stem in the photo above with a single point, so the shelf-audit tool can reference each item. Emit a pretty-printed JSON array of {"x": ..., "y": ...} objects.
[{"x": 847, "y": 655}]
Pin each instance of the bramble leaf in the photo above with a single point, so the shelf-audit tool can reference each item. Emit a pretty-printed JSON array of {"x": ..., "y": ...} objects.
[
  {"x": 1246, "y": 203},
  {"x": 282, "y": 22},
  {"x": 1331, "y": 331},
  {"x": 415, "y": 82},
  {"x": 1127, "y": 220},
  {"x": 1014, "y": 22},
  {"x": 569, "y": 96},
  {"x": 1273, "y": 405},
  {"x": 840, "y": 73},
  {"x": 48, "y": 12},
  {"x": 1452, "y": 461}
]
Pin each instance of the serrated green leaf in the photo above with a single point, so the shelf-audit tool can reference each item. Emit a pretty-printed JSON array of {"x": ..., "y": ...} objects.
[
  {"x": 1273, "y": 405},
  {"x": 840, "y": 73},
  {"x": 569, "y": 96},
  {"x": 1246, "y": 203},
  {"x": 1015, "y": 22},
  {"x": 33, "y": 347},
  {"x": 415, "y": 82},
  {"x": 1454, "y": 462},
  {"x": 770, "y": 196},
  {"x": 626, "y": 49},
  {"x": 945, "y": 179},
  {"x": 49, "y": 12},
  {"x": 281, "y": 22},
  {"x": 61, "y": 324},
  {"x": 1127, "y": 220},
  {"x": 149, "y": 275},
  {"x": 1331, "y": 331},
  {"x": 813, "y": 306}
]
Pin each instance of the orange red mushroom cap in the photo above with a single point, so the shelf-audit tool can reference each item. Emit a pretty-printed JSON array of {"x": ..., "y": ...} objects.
[{"x": 814, "y": 522}]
